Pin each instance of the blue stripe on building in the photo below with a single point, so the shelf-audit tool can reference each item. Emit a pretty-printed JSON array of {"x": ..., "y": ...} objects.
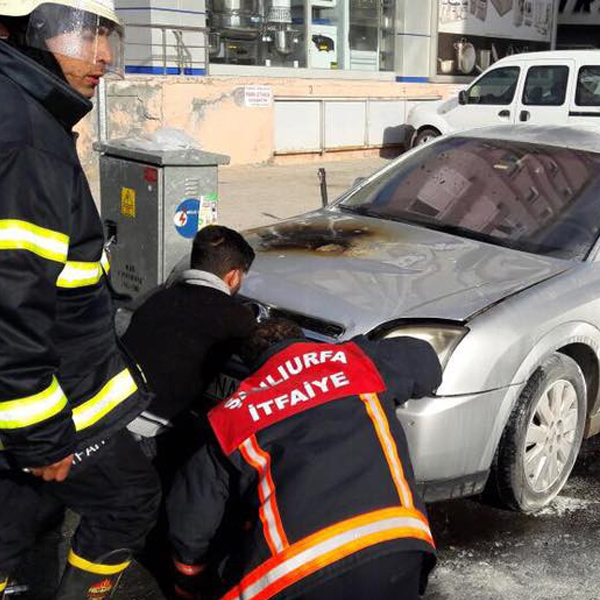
[
  {"x": 142, "y": 70},
  {"x": 401, "y": 79}
]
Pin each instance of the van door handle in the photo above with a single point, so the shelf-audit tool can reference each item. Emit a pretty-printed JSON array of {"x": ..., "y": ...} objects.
[
  {"x": 504, "y": 114},
  {"x": 525, "y": 115}
]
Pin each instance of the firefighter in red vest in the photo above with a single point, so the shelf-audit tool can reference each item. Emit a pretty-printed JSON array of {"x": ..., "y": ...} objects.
[{"x": 307, "y": 490}]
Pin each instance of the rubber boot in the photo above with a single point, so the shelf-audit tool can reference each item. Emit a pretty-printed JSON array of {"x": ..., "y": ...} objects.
[{"x": 85, "y": 580}]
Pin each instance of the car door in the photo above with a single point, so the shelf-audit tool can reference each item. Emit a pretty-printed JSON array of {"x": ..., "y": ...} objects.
[
  {"x": 546, "y": 92},
  {"x": 491, "y": 100},
  {"x": 585, "y": 105}
]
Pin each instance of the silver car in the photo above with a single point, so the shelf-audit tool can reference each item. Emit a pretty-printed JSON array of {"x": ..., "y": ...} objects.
[{"x": 486, "y": 245}]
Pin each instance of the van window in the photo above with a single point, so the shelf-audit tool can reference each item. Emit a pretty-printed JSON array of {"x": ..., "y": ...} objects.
[
  {"x": 497, "y": 87},
  {"x": 546, "y": 86},
  {"x": 588, "y": 87}
]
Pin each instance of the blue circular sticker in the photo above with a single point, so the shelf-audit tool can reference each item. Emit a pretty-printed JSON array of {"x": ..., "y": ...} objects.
[{"x": 187, "y": 218}]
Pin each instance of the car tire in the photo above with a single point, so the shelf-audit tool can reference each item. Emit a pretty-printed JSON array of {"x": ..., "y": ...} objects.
[
  {"x": 425, "y": 135},
  {"x": 542, "y": 438}
]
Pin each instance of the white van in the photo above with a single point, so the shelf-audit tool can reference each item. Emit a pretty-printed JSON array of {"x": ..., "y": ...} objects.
[{"x": 558, "y": 88}]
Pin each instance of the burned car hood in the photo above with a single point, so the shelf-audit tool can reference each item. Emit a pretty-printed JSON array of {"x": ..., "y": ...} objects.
[{"x": 360, "y": 272}]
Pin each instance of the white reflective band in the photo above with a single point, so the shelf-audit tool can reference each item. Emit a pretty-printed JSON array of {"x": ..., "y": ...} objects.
[
  {"x": 81, "y": 274},
  {"x": 270, "y": 512},
  {"x": 20, "y": 235},
  {"x": 327, "y": 550},
  {"x": 389, "y": 447},
  {"x": 30, "y": 410},
  {"x": 116, "y": 391}
]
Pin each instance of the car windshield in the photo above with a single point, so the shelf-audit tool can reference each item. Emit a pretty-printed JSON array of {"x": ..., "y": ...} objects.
[{"x": 539, "y": 199}]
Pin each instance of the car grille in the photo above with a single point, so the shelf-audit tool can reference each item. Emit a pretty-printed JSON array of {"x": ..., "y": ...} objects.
[{"x": 315, "y": 328}]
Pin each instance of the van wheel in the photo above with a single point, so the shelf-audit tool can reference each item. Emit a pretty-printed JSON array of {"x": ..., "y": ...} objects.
[
  {"x": 542, "y": 439},
  {"x": 425, "y": 135}
]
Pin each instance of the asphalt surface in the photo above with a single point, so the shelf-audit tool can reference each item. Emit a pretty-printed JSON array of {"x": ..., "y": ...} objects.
[{"x": 484, "y": 553}]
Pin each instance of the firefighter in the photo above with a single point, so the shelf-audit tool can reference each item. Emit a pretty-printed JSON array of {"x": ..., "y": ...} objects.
[
  {"x": 308, "y": 477},
  {"x": 67, "y": 393}
]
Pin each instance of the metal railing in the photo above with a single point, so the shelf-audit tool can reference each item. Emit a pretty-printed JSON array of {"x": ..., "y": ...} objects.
[{"x": 178, "y": 55}]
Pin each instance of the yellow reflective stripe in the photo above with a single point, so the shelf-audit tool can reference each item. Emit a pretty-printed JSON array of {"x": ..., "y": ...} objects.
[
  {"x": 79, "y": 274},
  {"x": 21, "y": 235},
  {"x": 90, "y": 567},
  {"x": 30, "y": 410},
  {"x": 116, "y": 391}
]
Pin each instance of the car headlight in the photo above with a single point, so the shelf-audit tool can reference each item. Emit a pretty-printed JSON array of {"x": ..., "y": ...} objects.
[{"x": 443, "y": 338}]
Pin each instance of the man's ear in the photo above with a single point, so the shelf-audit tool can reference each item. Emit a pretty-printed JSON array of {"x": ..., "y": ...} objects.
[{"x": 233, "y": 279}]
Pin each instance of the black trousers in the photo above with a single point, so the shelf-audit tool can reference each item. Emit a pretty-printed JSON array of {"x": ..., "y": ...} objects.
[
  {"x": 394, "y": 577},
  {"x": 112, "y": 487}
]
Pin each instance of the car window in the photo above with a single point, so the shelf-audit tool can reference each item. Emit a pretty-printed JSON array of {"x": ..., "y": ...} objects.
[
  {"x": 588, "y": 86},
  {"x": 525, "y": 196},
  {"x": 546, "y": 86},
  {"x": 498, "y": 87}
]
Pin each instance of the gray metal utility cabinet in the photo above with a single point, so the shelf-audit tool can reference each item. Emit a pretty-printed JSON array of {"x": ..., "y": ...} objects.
[{"x": 152, "y": 203}]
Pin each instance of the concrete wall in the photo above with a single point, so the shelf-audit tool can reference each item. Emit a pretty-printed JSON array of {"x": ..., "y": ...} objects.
[{"x": 214, "y": 112}]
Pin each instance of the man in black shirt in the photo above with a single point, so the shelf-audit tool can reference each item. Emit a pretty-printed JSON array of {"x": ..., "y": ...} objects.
[{"x": 183, "y": 334}]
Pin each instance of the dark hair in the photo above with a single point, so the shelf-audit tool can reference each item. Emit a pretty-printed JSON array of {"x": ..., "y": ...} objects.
[
  {"x": 266, "y": 334},
  {"x": 218, "y": 250}
]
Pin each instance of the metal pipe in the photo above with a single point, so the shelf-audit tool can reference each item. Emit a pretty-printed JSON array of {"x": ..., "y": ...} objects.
[{"x": 322, "y": 174}]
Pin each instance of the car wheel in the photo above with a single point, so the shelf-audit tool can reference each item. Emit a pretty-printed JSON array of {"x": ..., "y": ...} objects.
[
  {"x": 425, "y": 135},
  {"x": 541, "y": 441}
]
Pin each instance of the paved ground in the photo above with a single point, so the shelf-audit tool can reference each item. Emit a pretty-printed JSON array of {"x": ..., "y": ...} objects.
[
  {"x": 485, "y": 553},
  {"x": 254, "y": 196}
]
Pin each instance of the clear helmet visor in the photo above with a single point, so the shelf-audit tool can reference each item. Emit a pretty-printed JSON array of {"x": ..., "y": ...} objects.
[{"x": 78, "y": 34}]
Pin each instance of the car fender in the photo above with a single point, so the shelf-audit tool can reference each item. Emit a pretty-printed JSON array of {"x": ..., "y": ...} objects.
[
  {"x": 422, "y": 117},
  {"x": 574, "y": 332}
]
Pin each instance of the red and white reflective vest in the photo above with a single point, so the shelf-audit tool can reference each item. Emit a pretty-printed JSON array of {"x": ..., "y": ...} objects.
[{"x": 311, "y": 455}]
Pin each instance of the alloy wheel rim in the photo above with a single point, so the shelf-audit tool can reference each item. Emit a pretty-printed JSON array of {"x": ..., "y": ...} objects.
[{"x": 550, "y": 436}]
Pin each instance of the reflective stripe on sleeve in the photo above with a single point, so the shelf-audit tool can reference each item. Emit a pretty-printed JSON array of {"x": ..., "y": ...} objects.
[
  {"x": 388, "y": 444},
  {"x": 21, "y": 235},
  {"x": 115, "y": 392},
  {"x": 269, "y": 511},
  {"x": 81, "y": 274},
  {"x": 30, "y": 410},
  {"x": 328, "y": 546}
]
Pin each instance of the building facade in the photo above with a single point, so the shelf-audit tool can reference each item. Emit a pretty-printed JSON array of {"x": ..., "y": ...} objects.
[{"x": 264, "y": 80}]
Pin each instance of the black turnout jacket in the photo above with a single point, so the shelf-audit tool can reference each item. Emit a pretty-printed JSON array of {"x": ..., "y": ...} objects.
[
  {"x": 311, "y": 461},
  {"x": 63, "y": 382}
]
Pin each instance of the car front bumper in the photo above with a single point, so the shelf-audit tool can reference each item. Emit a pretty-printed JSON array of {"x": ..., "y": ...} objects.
[{"x": 452, "y": 441}]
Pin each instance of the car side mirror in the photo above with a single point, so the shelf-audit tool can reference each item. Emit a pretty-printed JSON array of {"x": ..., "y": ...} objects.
[{"x": 463, "y": 97}]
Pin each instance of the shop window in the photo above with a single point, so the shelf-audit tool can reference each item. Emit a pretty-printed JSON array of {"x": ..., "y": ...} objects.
[
  {"x": 316, "y": 34},
  {"x": 546, "y": 86},
  {"x": 588, "y": 87},
  {"x": 497, "y": 87}
]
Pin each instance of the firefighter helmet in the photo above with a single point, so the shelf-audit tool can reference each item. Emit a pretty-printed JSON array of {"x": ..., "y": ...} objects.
[{"x": 87, "y": 30}]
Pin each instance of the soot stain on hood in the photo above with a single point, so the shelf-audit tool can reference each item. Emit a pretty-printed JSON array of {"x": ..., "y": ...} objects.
[{"x": 342, "y": 237}]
